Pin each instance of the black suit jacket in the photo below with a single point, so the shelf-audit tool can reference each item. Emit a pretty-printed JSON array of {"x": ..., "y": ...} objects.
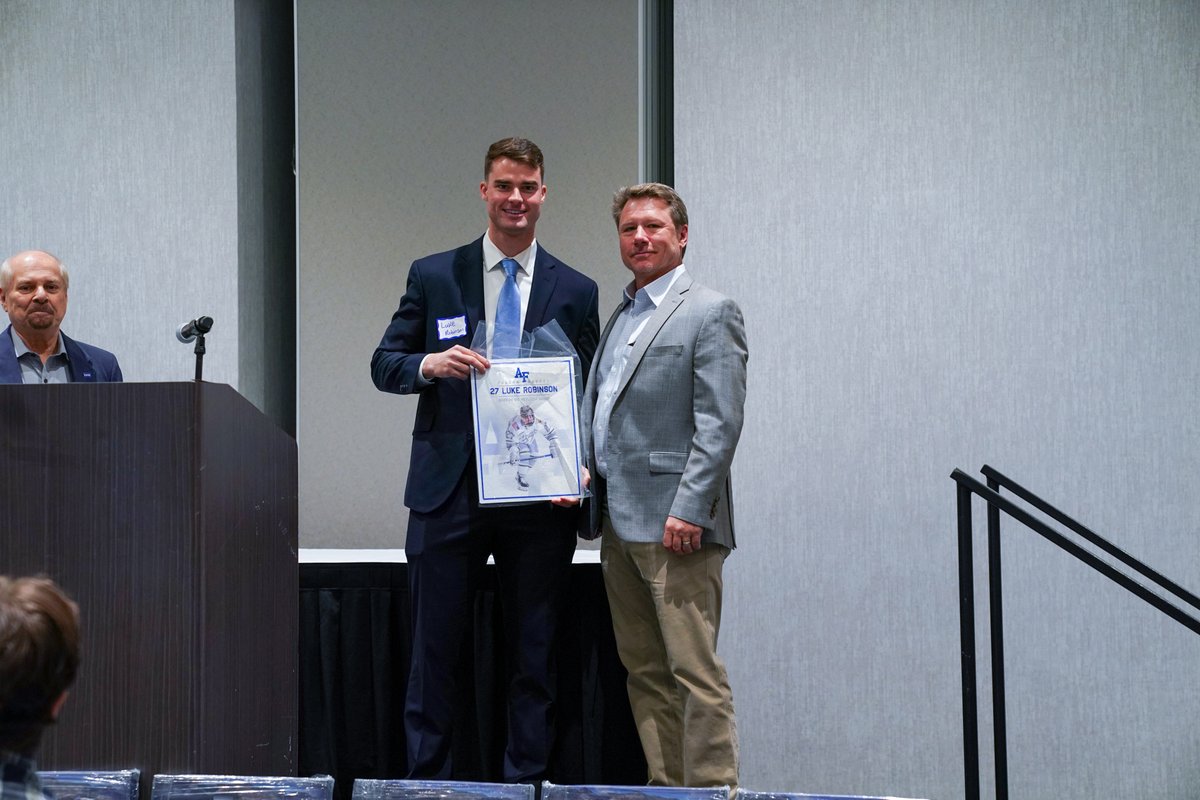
[
  {"x": 87, "y": 364},
  {"x": 444, "y": 287}
]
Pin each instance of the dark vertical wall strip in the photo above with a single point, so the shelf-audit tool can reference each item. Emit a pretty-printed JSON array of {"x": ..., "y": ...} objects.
[
  {"x": 659, "y": 78},
  {"x": 266, "y": 206}
]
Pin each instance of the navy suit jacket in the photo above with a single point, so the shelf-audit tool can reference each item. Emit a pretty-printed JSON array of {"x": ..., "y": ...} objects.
[
  {"x": 444, "y": 287},
  {"x": 87, "y": 364}
]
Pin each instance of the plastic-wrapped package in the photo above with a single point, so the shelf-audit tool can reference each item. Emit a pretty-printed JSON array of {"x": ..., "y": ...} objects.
[
  {"x": 91, "y": 784},
  {"x": 743, "y": 795},
  {"x": 240, "y": 787},
  {"x": 367, "y": 789},
  {"x": 552, "y": 791}
]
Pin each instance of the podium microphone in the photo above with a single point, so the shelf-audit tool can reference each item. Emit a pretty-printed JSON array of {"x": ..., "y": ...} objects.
[
  {"x": 190, "y": 330},
  {"x": 196, "y": 330}
]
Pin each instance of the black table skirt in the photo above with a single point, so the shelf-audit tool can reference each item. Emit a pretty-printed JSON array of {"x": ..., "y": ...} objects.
[{"x": 354, "y": 655}]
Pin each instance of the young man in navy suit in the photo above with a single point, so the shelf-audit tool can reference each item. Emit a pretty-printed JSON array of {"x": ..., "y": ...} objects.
[
  {"x": 426, "y": 351},
  {"x": 33, "y": 290}
]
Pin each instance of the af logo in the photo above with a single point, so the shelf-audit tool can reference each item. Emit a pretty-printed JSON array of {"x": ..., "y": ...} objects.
[{"x": 524, "y": 376}]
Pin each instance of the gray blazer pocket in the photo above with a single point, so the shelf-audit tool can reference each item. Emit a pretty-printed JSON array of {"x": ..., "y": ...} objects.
[
  {"x": 664, "y": 350},
  {"x": 667, "y": 462}
]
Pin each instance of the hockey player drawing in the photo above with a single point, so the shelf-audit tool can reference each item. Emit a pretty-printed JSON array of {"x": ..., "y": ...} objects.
[{"x": 524, "y": 448}]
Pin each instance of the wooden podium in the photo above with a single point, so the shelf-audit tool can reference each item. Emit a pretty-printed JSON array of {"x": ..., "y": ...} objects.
[{"x": 169, "y": 512}]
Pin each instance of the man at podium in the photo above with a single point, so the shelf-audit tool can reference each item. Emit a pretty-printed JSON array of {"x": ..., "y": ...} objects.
[{"x": 33, "y": 290}]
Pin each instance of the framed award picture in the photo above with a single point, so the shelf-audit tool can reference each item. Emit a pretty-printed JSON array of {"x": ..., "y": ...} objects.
[{"x": 526, "y": 430}]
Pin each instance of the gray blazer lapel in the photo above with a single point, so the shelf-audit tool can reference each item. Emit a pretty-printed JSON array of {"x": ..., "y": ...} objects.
[
  {"x": 670, "y": 303},
  {"x": 593, "y": 382},
  {"x": 608, "y": 326}
]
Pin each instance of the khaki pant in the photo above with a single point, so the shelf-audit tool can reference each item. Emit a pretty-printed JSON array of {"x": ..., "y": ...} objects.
[{"x": 666, "y": 611}]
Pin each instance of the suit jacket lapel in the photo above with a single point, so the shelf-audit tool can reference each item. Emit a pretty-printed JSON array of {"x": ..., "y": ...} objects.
[
  {"x": 80, "y": 366},
  {"x": 593, "y": 382},
  {"x": 468, "y": 271},
  {"x": 541, "y": 290},
  {"x": 671, "y": 302},
  {"x": 10, "y": 370}
]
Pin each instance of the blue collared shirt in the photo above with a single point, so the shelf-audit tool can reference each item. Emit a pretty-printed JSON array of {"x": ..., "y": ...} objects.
[{"x": 56, "y": 369}]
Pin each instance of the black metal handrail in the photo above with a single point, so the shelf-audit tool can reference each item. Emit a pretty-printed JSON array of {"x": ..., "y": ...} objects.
[
  {"x": 966, "y": 582},
  {"x": 996, "y": 479}
]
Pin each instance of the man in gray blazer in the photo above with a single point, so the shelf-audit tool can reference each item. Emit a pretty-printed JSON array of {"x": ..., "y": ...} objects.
[{"x": 661, "y": 418}]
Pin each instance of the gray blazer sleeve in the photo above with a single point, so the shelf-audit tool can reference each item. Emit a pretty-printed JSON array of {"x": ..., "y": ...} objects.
[{"x": 718, "y": 400}]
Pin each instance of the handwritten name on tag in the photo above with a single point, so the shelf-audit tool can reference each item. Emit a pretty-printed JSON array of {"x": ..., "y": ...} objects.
[{"x": 452, "y": 327}]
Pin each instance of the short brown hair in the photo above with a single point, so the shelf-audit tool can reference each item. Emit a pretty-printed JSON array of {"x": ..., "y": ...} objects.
[
  {"x": 517, "y": 149},
  {"x": 658, "y": 191},
  {"x": 39, "y": 656}
]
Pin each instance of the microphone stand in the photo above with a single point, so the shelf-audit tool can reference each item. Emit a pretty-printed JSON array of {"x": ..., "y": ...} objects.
[
  {"x": 199, "y": 351},
  {"x": 196, "y": 330}
]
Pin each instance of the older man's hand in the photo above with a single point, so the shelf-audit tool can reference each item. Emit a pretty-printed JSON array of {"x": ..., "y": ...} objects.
[{"x": 681, "y": 537}]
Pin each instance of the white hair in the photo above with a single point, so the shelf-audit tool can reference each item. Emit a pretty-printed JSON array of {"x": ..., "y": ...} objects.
[{"x": 6, "y": 269}]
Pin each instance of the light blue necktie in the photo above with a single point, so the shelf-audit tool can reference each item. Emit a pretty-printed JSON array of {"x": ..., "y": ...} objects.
[{"x": 506, "y": 336}]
